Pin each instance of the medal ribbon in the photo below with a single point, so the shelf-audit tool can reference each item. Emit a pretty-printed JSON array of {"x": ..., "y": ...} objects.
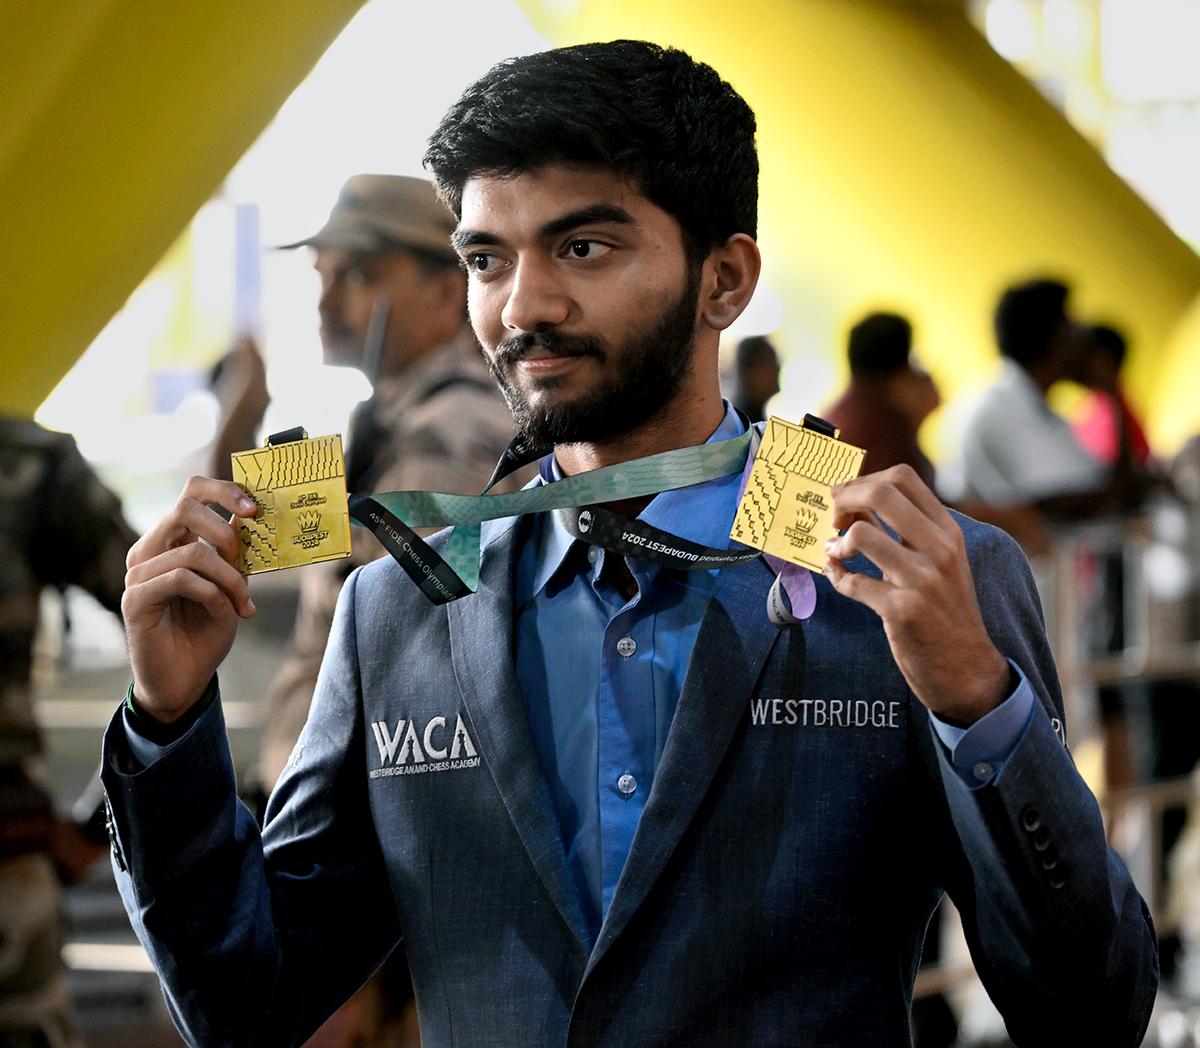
[{"x": 392, "y": 517}]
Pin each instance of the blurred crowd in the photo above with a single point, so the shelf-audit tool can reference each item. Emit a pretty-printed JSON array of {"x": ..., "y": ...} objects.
[{"x": 392, "y": 304}]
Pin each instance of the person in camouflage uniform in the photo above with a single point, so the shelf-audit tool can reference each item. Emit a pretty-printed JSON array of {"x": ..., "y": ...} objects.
[
  {"x": 393, "y": 304},
  {"x": 59, "y": 526}
]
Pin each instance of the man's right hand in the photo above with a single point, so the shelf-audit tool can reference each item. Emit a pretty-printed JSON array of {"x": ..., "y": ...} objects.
[{"x": 183, "y": 598}]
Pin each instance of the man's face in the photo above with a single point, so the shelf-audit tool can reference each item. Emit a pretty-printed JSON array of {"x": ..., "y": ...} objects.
[
  {"x": 354, "y": 284},
  {"x": 761, "y": 380},
  {"x": 1072, "y": 351},
  {"x": 581, "y": 297},
  {"x": 914, "y": 394}
]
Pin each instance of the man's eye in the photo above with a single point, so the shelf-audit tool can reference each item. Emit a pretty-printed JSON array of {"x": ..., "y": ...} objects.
[
  {"x": 480, "y": 262},
  {"x": 587, "y": 248}
]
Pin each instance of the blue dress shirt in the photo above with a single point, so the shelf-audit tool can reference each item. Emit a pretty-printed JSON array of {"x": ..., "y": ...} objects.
[{"x": 601, "y": 675}]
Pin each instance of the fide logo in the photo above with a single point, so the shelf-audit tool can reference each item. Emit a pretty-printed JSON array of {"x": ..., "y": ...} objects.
[
  {"x": 585, "y": 521},
  {"x": 309, "y": 520}
]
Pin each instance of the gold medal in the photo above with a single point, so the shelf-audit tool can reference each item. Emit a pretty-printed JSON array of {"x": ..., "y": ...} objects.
[
  {"x": 301, "y": 486},
  {"x": 787, "y": 508}
]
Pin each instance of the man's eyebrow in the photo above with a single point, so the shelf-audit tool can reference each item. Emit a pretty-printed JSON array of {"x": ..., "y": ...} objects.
[
  {"x": 586, "y": 216},
  {"x": 461, "y": 238},
  {"x": 593, "y": 214}
]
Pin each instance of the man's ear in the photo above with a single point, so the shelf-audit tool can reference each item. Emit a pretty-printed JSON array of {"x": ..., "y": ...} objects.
[{"x": 727, "y": 280}]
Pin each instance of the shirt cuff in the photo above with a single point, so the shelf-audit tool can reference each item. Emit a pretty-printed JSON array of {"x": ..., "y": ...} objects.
[
  {"x": 150, "y": 740},
  {"x": 978, "y": 753}
]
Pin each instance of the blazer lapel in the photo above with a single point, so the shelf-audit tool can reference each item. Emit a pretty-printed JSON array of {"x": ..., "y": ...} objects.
[
  {"x": 732, "y": 647},
  {"x": 481, "y": 646}
]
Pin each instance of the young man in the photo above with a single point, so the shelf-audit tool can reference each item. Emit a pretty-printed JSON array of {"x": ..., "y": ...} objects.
[{"x": 602, "y": 802}]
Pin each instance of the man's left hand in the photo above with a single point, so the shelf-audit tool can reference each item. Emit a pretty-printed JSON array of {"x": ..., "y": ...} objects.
[{"x": 926, "y": 597}]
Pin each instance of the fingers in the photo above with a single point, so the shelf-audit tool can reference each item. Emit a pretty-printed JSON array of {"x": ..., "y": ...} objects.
[
  {"x": 872, "y": 493},
  {"x": 876, "y": 498},
  {"x": 899, "y": 565},
  {"x": 195, "y": 559},
  {"x": 163, "y": 589},
  {"x": 224, "y": 493},
  {"x": 862, "y": 588},
  {"x": 191, "y": 519},
  {"x": 930, "y": 544}
]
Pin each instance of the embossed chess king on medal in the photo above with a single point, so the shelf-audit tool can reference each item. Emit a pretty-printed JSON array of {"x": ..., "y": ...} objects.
[{"x": 300, "y": 483}]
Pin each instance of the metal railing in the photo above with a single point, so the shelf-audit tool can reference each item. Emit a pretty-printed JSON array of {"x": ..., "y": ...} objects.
[{"x": 1159, "y": 625}]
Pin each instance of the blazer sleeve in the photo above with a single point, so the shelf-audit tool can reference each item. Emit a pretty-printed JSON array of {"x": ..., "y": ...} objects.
[
  {"x": 256, "y": 939},
  {"x": 1060, "y": 936}
]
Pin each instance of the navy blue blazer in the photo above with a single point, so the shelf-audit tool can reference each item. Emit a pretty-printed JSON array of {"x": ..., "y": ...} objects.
[{"x": 801, "y": 827}]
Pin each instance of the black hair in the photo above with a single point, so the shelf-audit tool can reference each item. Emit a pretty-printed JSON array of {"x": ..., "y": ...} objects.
[
  {"x": 653, "y": 115},
  {"x": 754, "y": 348},
  {"x": 1027, "y": 317},
  {"x": 879, "y": 345},
  {"x": 1109, "y": 341}
]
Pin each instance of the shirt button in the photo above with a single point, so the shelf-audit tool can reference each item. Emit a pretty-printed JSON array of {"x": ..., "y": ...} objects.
[
  {"x": 627, "y": 784},
  {"x": 593, "y": 554},
  {"x": 626, "y": 646},
  {"x": 982, "y": 771}
]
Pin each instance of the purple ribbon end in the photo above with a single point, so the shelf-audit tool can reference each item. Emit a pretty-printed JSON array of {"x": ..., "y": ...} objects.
[{"x": 798, "y": 585}]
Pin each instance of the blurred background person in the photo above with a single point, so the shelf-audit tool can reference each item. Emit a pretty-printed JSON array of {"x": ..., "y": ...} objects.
[
  {"x": 882, "y": 409},
  {"x": 1151, "y": 726},
  {"x": 1015, "y": 449},
  {"x": 1018, "y": 455},
  {"x": 888, "y": 397},
  {"x": 1106, "y": 420},
  {"x": 59, "y": 526},
  {"x": 393, "y": 304},
  {"x": 238, "y": 381},
  {"x": 755, "y": 376}
]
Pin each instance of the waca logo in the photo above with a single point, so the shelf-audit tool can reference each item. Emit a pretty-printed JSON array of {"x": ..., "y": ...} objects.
[{"x": 410, "y": 744}]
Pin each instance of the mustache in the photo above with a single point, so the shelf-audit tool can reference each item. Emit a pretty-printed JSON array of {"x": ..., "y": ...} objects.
[{"x": 514, "y": 349}]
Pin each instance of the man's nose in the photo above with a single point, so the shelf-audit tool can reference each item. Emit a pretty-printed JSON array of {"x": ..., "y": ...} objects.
[
  {"x": 536, "y": 297},
  {"x": 329, "y": 304}
]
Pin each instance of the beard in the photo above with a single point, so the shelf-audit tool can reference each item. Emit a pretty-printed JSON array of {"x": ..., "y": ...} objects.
[{"x": 637, "y": 379}]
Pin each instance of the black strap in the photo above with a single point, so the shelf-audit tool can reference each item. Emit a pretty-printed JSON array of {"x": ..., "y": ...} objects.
[
  {"x": 631, "y": 537},
  {"x": 437, "y": 580}
]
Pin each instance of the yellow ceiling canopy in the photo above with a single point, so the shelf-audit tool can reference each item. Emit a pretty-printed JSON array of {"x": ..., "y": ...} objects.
[
  {"x": 903, "y": 163},
  {"x": 118, "y": 119}
]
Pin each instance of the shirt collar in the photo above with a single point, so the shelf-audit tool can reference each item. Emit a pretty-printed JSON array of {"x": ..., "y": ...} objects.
[{"x": 700, "y": 512}]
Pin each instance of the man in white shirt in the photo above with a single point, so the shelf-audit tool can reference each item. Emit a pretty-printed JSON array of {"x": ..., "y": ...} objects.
[{"x": 1014, "y": 448}]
